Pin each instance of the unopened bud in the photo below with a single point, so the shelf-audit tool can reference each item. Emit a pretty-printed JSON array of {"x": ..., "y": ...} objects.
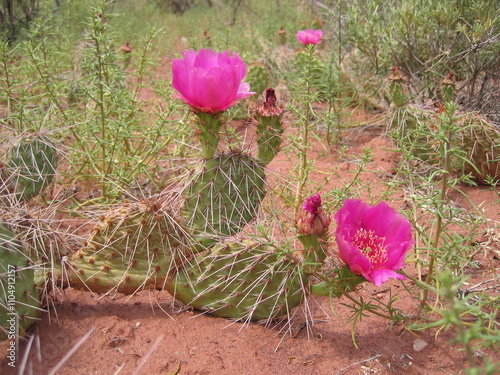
[
  {"x": 126, "y": 48},
  {"x": 312, "y": 219}
]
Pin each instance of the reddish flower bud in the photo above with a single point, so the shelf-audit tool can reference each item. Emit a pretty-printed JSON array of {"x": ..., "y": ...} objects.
[
  {"x": 126, "y": 49},
  {"x": 312, "y": 219}
]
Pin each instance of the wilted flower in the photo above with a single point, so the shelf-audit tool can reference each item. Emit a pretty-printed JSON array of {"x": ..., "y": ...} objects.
[
  {"x": 126, "y": 48},
  {"x": 269, "y": 107},
  {"x": 449, "y": 87},
  {"x": 373, "y": 240},
  {"x": 309, "y": 36},
  {"x": 282, "y": 35},
  {"x": 209, "y": 81},
  {"x": 312, "y": 219}
]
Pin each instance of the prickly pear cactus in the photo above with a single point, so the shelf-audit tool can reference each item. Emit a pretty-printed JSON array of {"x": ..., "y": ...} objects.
[
  {"x": 134, "y": 246},
  {"x": 19, "y": 298},
  {"x": 269, "y": 128},
  {"x": 225, "y": 191},
  {"x": 397, "y": 89},
  {"x": 242, "y": 280},
  {"x": 481, "y": 140},
  {"x": 223, "y": 196},
  {"x": 31, "y": 166},
  {"x": 477, "y": 137}
]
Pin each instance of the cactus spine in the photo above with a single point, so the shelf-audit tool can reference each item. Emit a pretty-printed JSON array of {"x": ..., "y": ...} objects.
[
  {"x": 223, "y": 197},
  {"x": 478, "y": 138},
  {"x": 243, "y": 280},
  {"x": 133, "y": 247},
  {"x": 481, "y": 141}
]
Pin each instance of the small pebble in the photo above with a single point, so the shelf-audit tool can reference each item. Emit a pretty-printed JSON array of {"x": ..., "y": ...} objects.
[{"x": 419, "y": 345}]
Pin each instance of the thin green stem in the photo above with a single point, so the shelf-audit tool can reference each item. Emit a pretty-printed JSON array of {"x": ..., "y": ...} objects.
[
  {"x": 448, "y": 123},
  {"x": 304, "y": 147}
]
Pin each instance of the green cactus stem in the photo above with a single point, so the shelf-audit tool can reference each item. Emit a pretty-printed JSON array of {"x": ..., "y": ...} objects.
[
  {"x": 134, "y": 246},
  {"x": 19, "y": 298},
  {"x": 397, "y": 87},
  {"x": 343, "y": 281},
  {"x": 223, "y": 195},
  {"x": 209, "y": 127},
  {"x": 31, "y": 166},
  {"x": 269, "y": 128},
  {"x": 242, "y": 280}
]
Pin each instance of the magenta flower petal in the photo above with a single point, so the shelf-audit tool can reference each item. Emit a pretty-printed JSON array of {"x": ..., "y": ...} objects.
[
  {"x": 373, "y": 240},
  {"x": 378, "y": 277},
  {"x": 210, "y": 81},
  {"x": 312, "y": 203},
  {"x": 309, "y": 36}
]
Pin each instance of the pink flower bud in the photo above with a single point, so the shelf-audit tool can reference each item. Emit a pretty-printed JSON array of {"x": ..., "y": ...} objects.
[
  {"x": 126, "y": 48},
  {"x": 373, "y": 240},
  {"x": 309, "y": 36},
  {"x": 313, "y": 219},
  {"x": 209, "y": 81}
]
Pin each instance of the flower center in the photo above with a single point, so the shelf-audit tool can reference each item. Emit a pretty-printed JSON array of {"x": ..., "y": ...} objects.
[{"x": 371, "y": 246}]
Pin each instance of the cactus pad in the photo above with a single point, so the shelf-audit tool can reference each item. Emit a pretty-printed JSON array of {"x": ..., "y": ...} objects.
[
  {"x": 31, "y": 166},
  {"x": 478, "y": 138},
  {"x": 481, "y": 140},
  {"x": 19, "y": 299},
  {"x": 223, "y": 196},
  {"x": 132, "y": 247},
  {"x": 242, "y": 280}
]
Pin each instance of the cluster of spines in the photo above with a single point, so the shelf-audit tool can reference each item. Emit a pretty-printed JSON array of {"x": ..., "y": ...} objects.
[
  {"x": 223, "y": 196},
  {"x": 30, "y": 167},
  {"x": 481, "y": 141},
  {"x": 242, "y": 280},
  {"x": 132, "y": 247}
]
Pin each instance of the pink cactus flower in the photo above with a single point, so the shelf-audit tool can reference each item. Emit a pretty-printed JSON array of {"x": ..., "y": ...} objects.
[
  {"x": 373, "y": 240},
  {"x": 209, "y": 81},
  {"x": 309, "y": 36}
]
